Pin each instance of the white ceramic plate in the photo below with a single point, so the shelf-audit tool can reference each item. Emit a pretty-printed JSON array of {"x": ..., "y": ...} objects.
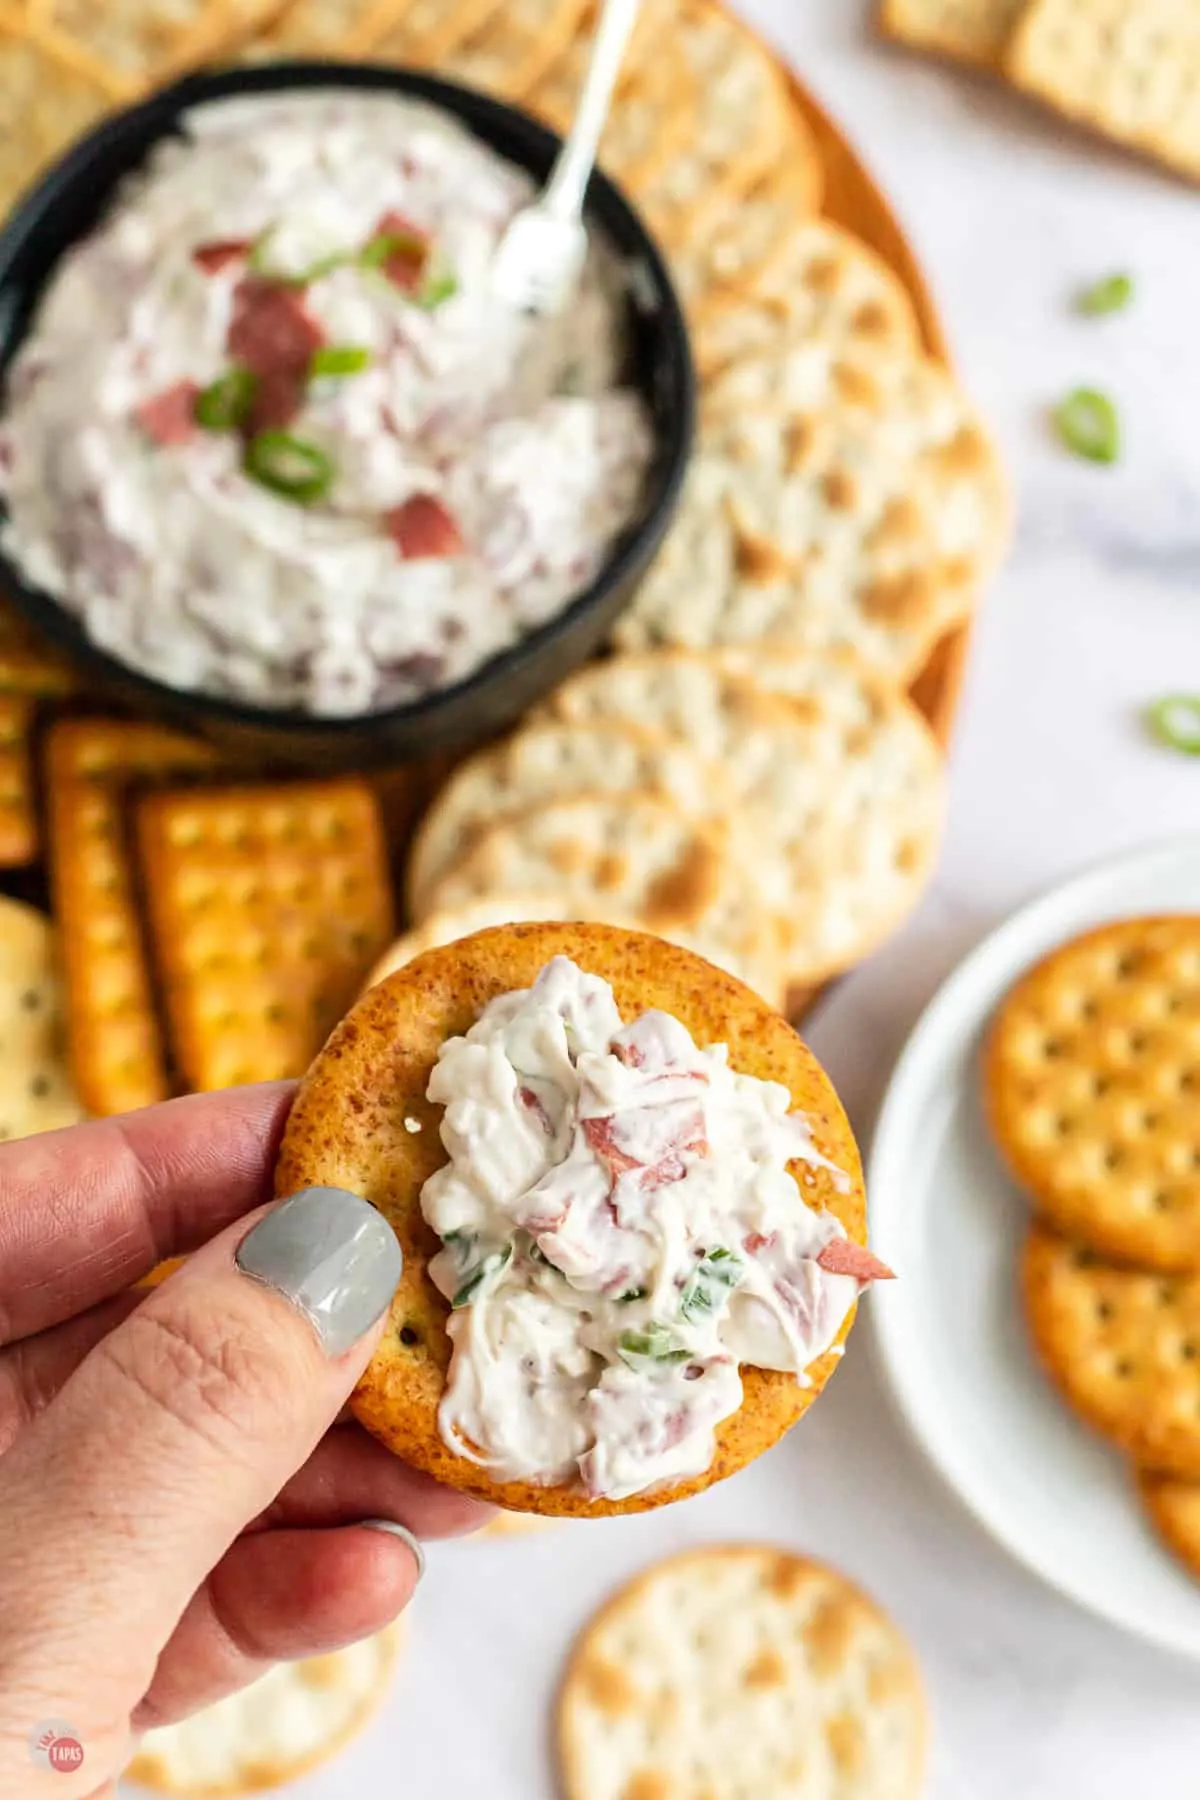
[{"x": 954, "y": 1344}]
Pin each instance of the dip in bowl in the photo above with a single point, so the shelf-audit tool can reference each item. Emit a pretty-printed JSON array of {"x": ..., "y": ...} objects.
[{"x": 272, "y": 453}]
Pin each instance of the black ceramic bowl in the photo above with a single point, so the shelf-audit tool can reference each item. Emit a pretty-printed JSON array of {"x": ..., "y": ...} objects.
[{"x": 70, "y": 200}]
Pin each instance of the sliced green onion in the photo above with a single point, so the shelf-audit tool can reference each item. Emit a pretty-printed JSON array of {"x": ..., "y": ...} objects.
[
  {"x": 289, "y": 466},
  {"x": 1088, "y": 425},
  {"x": 1110, "y": 295},
  {"x": 491, "y": 1265},
  {"x": 379, "y": 250},
  {"x": 655, "y": 1344},
  {"x": 718, "y": 1270},
  {"x": 436, "y": 291},
  {"x": 339, "y": 359},
  {"x": 1175, "y": 721},
  {"x": 259, "y": 262},
  {"x": 225, "y": 404}
]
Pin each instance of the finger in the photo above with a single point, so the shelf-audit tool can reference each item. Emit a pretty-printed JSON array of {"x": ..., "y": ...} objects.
[
  {"x": 32, "y": 1371},
  {"x": 274, "y": 1597},
  {"x": 180, "y": 1427},
  {"x": 88, "y": 1210},
  {"x": 350, "y": 1476}
]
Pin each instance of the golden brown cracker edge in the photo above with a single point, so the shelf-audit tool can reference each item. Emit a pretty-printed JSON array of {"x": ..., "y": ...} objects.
[{"x": 348, "y": 1129}]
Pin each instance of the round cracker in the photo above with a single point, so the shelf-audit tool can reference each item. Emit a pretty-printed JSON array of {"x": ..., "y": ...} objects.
[
  {"x": 741, "y": 1670},
  {"x": 350, "y": 1128},
  {"x": 292, "y": 1719},
  {"x": 551, "y": 761},
  {"x": 1092, "y": 1089},
  {"x": 1122, "y": 1346},
  {"x": 36, "y": 1089},
  {"x": 1173, "y": 1508}
]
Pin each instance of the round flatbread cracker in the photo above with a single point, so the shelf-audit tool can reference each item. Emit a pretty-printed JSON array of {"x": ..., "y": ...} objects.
[
  {"x": 552, "y": 761},
  {"x": 350, "y": 1127},
  {"x": 36, "y": 1090},
  {"x": 1122, "y": 1346},
  {"x": 741, "y": 1670},
  {"x": 1173, "y": 1508},
  {"x": 1092, "y": 1089},
  {"x": 296, "y": 1716}
]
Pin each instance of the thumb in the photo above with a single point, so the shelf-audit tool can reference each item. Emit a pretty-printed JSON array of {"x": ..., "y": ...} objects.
[{"x": 175, "y": 1432}]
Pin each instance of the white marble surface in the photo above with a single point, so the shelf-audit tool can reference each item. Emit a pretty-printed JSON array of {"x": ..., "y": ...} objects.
[{"x": 1097, "y": 610}]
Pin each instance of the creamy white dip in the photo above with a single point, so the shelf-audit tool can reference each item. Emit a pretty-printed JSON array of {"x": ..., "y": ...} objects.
[
  {"x": 317, "y": 265},
  {"x": 620, "y": 1231}
]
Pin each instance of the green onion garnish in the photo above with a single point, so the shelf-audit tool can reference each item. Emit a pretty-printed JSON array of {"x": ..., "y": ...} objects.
[
  {"x": 716, "y": 1271},
  {"x": 1175, "y": 721},
  {"x": 1109, "y": 295},
  {"x": 225, "y": 403},
  {"x": 1088, "y": 425},
  {"x": 655, "y": 1344},
  {"x": 491, "y": 1265},
  {"x": 289, "y": 466},
  {"x": 339, "y": 359},
  {"x": 437, "y": 290}
]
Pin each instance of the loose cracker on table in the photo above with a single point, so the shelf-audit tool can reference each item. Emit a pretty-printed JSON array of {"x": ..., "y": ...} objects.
[
  {"x": 1173, "y": 1508},
  {"x": 117, "y": 1052},
  {"x": 266, "y": 907},
  {"x": 551, "y": 761},
  {"x": 1091, "y": 1080},
  {"x": 295, "y": 1717},
  {"x": 837, "y": 787},
  {"x": 739, "y": 1670},
  {"x": 975, "y": 31},
  {"x": 1122, "y": 1346},
  {"x": 19, "y": 836},
  {"x": 1127, "y": 68},
  {"x": 351, "y": 1126},
  {"x": 53, "y": 98},
  {"x": 36, "y": 1090},
  {"x": 480, "y": 915}
]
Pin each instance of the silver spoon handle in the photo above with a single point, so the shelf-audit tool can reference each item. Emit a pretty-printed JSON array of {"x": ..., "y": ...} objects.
[{"x": 569, "y": 177}]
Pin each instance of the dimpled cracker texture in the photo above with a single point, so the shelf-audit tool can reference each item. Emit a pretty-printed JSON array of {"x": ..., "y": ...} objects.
[
  {"x": 552, "y": 761},
  {"x": 1127, "y": 68},
  {"x": 52, "y": 97},
  {"x": 1173, "y": 1508},
  {"x": 36, "y": 1090},
  {"x": 502, "y": 48},
  {"x": 974, "y": 30},
  {"x": 1092, "y": 1089},
  {"x": 91, "y": 765},
  {"x": 267, "y": 905},
  {"x": 336, "y": 28},
  {"x": 351, "y": 1127},
  {"x": 292, "y": 1719},
  {"x": 741, "y": 1670},
  {"x": 18, "y": 815},
  {"x": 136, "y": 44},
  {"x": 1122, "y": 1346}
]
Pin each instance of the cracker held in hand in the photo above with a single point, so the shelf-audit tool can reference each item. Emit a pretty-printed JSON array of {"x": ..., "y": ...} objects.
[
  {"x": 1123, "y": 1347},
  {"x": 1127, "y": 68},
  {"x": 974, "y": 30},
  {"x": 36, "y": 1090},
  {"x": 1173, "y": 1508},
  {"x": 623, "y": 1416},
  {"x": 1092, "y": 1088},
  {"x": 741, "y": 1670},
  {"x": 292, "y": 1719}
]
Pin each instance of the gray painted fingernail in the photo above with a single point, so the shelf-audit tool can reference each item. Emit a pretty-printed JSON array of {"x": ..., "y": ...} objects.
[
  {"x": 405, "y": 1536},
  {"x": 333, "y": 1256}
]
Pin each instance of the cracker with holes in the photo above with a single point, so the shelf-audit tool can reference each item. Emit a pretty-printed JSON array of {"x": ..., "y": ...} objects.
[
  {"x": 630, "y": 1257},
  {"x": 1173, "y": 1507},
  {"x": 267, "y": 905},
  {"x": 974, "y": 31},
  {"x": 18, "y": 814},
  {"x": 1092, "y": 1089},
  {"x": 741, "y": 1670},
  {"x": 1122, "y": 1346},
  {"x": 291, "y": 1720},
  {"x": 36, "y": 1090},
  {"x": 91, "y": 767}
]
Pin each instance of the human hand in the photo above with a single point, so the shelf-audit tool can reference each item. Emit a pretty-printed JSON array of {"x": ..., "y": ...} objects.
[{"x": 176, "y": 1512}]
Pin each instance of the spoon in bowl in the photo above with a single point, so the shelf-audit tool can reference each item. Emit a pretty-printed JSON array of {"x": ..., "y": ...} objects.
[{"x": 539, "y": 259}]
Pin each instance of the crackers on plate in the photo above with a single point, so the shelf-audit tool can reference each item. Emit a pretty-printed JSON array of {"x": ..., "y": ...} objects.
[
  {"x": 361, "y": 1121},
  {"x": 741, "y": 1670}
]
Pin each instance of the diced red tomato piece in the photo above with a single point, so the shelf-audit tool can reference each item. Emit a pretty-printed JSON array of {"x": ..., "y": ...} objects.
[
  {"x": 531, "y": 1103},
  {"x": 278, "y": 397},
  {"x": 842, "y": 1256},
  {"x": 405, "y": 267},
  {"x": 271, "y": 331},
  {"x": 219, "y": 253},
  {"x": 421, "y": 526},
  {"x": 169, "y": 418}
]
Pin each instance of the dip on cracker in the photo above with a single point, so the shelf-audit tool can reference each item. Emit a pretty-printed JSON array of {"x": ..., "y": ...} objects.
[
  {"x": 272, "y": 437},
  {"x": 632, "y": 1251}
]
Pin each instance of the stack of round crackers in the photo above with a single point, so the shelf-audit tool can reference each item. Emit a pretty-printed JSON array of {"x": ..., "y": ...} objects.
[{"x": 1092, "y": 1090}]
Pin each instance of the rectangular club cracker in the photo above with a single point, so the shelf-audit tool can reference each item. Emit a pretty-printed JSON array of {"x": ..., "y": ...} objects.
[
  {"x": 1129, "y": 69},
  {"x": 975, "y": 31},
  {"x": 28, "y": 665},
  {"x": 18, "y": 816},
  {"x": 267, "y": 906},
  {"x": 115, "y": 1044}
]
